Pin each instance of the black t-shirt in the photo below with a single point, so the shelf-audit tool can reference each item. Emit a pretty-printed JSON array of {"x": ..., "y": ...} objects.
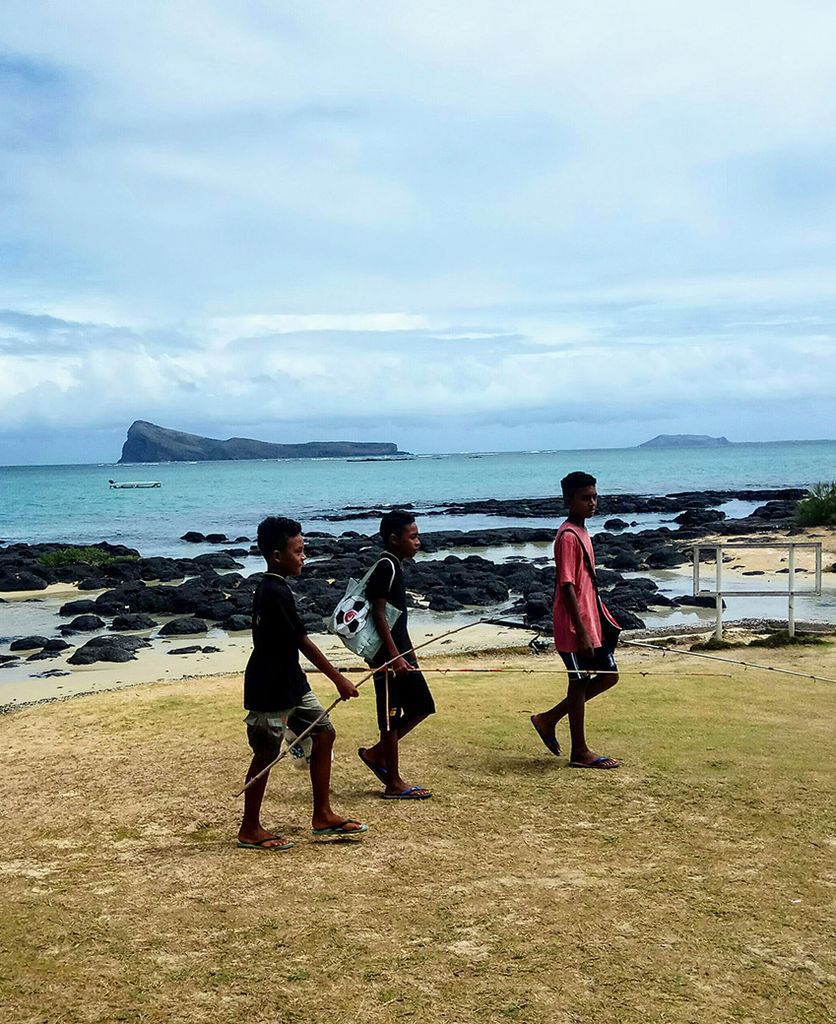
[
  {"x": 384, "y": 582},
  {"x": 273, "y": 679}
]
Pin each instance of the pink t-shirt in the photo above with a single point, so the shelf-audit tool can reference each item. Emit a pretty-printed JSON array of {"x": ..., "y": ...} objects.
[{"x": 570, "y": 567}]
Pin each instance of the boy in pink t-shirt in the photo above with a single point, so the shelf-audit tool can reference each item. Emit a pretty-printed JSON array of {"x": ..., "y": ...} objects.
[{"x": 577, "y": 627}]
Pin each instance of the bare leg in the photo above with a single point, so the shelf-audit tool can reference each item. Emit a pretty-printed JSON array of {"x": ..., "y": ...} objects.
[
  {"x": 575, "y": 708},
  {"x": 251, "y": 830},
  {"x": 547, "y": 720},
  {"x": 408, "y": 724},
  {"x": 386, "y": 753},
  {"x": 323, "y": 814},
  {"x": 576, "y": 697}
]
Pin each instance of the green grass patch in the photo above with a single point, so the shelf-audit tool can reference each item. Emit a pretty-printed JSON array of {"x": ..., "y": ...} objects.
[{"x": 86, "y": 556}]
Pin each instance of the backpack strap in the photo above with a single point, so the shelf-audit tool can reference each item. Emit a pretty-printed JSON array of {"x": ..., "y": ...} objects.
[
  {"x": 586, "y": 558},
  {"x": 368, "y": 574}
]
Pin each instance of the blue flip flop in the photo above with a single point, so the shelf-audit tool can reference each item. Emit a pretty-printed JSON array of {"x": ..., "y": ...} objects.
[
  {"x": 376, "y": 769},
  {"x": 597, "y": 763},
  {"x": 550, "y": 742},
  {"x": 413, "y": 793},
  {"x": 341, "y": 830}
]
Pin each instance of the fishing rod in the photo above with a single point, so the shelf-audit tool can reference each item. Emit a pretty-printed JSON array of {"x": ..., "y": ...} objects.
[
  {"x": 728, "y": 661},
  {"x": 305, "y": 733},
  {"x": 520, "y": 671},
  {"x": 692, "y": 654}
]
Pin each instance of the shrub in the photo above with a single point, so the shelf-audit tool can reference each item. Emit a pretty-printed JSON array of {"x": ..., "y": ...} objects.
[
  {"x": 818, "y": 508},
  {"x": 785, "y": 640},
  {"x": 71, "y": 556}
]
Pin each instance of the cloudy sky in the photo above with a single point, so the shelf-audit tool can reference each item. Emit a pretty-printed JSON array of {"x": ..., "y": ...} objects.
[{"x": 467, "y": 226}]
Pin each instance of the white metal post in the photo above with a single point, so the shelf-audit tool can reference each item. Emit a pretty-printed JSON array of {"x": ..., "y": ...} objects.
[
  {"x": 818, "y": 570},
  {"x": 791, "y": 593},
  {"x": 718, "y": 632},
  {"x": 696, "y": 569}
]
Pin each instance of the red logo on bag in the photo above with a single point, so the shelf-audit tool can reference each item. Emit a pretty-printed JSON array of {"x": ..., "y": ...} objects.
[{"x": 350, "y": 616}]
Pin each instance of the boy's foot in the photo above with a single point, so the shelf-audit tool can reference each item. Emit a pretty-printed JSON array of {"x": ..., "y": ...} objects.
[
  {"x": 546, "y": 735},
  {"x": 377, "y": 769},
  {"x": 266, "y": 842},
  {"x": 348, "y": 827},
  {"x": 333, "y": 824},
  {"x": 410, "y": 793},
  {"x": 591, "y": 760}
]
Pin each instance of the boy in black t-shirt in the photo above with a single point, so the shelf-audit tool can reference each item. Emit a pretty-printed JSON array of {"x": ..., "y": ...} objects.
[
  {"x": 403, "y": 697},
  {"x": 276, "y": 692}
]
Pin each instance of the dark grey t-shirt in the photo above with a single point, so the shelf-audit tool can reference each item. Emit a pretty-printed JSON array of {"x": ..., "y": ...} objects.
[
  {"x": 388, "y": 581},
  {"x": 273, "y": 678}
]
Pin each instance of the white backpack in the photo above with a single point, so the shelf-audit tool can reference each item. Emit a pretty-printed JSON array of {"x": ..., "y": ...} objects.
[{"x": 352, "y": 619}]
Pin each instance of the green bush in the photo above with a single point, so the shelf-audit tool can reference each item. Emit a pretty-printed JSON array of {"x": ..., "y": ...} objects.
[
  {"x": 819, "y": 506},
  {"x": 785, "y": 640},
  {"x": 71, "y": 556}
]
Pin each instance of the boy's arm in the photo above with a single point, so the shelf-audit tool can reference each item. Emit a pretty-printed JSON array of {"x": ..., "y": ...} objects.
[
  {"x": 571, "y": 599},
  {"x": 400, "y": 664},
  {"x": 345, "y": 688}
]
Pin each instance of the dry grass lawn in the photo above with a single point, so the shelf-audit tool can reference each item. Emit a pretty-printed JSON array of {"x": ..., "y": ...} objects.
[{"x": 695, "y": 884}]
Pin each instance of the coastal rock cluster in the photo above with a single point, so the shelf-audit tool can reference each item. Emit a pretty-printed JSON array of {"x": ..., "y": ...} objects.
[
  {"x": 553, "y": 507},
  {"x": 183, "y": 596}
]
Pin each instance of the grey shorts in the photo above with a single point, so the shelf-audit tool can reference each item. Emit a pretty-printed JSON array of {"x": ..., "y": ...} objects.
[{"x": 267, "y": 729}]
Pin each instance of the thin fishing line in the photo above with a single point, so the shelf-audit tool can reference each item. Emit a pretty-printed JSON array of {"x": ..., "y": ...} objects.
[{"x": 305, "y": 733}]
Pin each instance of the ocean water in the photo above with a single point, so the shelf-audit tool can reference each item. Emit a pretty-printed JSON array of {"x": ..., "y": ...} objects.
[{"x": 75, "y": 503}]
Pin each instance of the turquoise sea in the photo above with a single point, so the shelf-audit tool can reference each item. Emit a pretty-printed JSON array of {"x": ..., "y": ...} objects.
[{"x": 75, "y": 503}]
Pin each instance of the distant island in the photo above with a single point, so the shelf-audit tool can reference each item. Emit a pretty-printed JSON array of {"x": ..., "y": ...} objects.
[
  {"x": 147, "y": 442},
  {"x": 685, "y": 441}
]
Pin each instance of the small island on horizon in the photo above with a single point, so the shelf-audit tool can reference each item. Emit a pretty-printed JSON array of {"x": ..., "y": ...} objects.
[
  {"x": 148, "y": 442},
  {"x": 685, "y": 441}
]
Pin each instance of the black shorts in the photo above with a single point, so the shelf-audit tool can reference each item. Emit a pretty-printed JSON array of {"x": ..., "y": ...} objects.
[
  {"x": 401, "y": 695},
  {"x": 584, "y": 670}
]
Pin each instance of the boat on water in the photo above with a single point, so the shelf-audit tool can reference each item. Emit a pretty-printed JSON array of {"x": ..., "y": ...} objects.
[{"x": 132, "y": 484}]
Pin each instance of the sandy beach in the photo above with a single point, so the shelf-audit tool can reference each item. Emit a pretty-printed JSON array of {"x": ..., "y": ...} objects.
[
  {"x": 158, "y": 666},
  {"x": 19, "y": 686}
]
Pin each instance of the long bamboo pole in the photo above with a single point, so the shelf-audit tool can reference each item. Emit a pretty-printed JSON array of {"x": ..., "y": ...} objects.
[
  {"x": 303, "y": 735},
  {"x": 728, "y": 661}
]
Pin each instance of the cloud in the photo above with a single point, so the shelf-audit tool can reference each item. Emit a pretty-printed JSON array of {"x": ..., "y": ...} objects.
[{"x": 253, "y": 213}]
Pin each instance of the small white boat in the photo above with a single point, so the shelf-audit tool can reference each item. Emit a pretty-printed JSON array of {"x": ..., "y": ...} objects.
[{"x": 131, "y": 484}]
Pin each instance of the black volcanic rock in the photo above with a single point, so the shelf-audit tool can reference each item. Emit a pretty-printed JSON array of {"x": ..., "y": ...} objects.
[
  {"x": 19, "y": 581},
  {"x": 147, "y": 442},
  {"x": 237, "y": 623},
  {"x": 107, "y": 648},
  {"x": 699, "y": 517},
  {"x": 85, "y": 606},
  {"x": 29, "y": 643},
  {"x": 135, "y": 621},
  {"x": 185, "y": 626},
  {"x": 84, "y": 624}
]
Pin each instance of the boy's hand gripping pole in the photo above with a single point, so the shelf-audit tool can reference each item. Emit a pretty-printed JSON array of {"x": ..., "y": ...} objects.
[{"x": 304, "y": 735}]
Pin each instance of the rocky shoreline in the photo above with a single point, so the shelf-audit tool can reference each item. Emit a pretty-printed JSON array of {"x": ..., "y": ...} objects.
[{"x": 132, "y": 597}]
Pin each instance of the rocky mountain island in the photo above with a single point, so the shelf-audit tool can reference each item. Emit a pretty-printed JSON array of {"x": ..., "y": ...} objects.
[
  {"x": 147, "y": 442},
  {"x": 685, "y": 441}
]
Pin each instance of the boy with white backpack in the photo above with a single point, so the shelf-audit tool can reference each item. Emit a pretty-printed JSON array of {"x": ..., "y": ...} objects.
[{"x": 403, "y": 696}]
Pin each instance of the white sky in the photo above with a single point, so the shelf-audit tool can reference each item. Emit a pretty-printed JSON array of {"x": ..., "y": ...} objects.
[{"x": 453, "y": 226}]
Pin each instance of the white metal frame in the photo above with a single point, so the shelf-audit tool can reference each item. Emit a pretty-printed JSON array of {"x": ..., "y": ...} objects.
[{"x": 718, "y": 593}]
